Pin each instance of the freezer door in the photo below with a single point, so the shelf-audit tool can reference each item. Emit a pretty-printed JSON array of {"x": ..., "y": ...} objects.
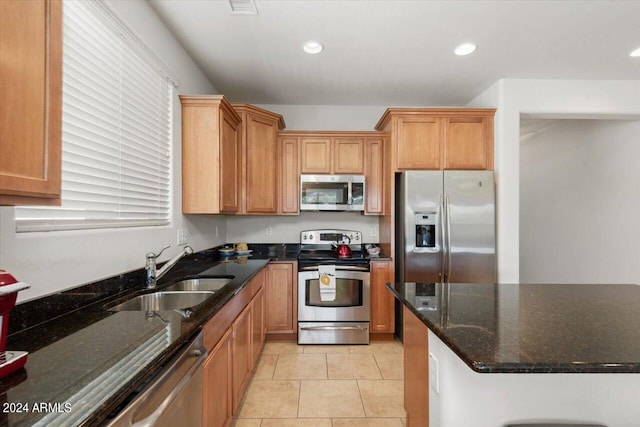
[
  {"x": 470, "y": 243},
  {"x": 422, "y": 217}
]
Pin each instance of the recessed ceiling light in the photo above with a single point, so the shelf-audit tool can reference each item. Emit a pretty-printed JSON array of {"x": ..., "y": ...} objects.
[
  {"x": 312, "y": 47},
  {"x": 465, "y": 49},
  {"x": 635, "y": 53}
]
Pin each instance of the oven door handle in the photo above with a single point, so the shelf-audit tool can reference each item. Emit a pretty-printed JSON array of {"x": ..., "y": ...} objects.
[
  {"x": 333, "y": 328},
  {"x": 341, "y": 268}
]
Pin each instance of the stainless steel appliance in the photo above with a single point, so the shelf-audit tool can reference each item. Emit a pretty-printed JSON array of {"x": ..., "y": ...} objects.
[
  {"x": 343, "y": 318},
  {"x": 175, "y": 397},
  {"x": 332, "y": 192},
  {"x": 445, "y": 230}
]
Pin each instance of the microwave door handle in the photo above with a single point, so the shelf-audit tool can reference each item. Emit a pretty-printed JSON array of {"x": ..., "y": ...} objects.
[{"x": 350, "y": 193}]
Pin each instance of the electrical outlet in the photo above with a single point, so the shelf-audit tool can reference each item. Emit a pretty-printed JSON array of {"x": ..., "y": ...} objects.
[
  {"x": 268, "y": 231},
  {"x": 182, "y": 237},
  {"x": 373, "y": 231},
  {"x": 216, "y": 230}
]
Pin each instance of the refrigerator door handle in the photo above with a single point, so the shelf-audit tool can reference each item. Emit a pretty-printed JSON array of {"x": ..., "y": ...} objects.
[
  {"x": 442, "y": 246},
  {"x": 448, "y": 240}
]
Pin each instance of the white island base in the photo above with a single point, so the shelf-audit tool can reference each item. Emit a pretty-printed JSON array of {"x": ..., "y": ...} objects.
[{"x": 461, "y": 397}]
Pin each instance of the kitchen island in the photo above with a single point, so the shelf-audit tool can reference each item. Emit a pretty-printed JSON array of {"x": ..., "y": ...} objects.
[{"x": 495, "y": 354}]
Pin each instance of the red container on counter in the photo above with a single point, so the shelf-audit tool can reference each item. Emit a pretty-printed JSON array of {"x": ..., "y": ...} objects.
[{"x": 10, "y": 361}]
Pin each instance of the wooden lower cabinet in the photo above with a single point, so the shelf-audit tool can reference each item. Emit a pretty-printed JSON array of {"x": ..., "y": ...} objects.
[
  {"x": 217, "y": 398},
  {"x": 234, "y": 338},
  {"x": 382, "y": 302},
  {"x": 281, "y": 295},
  {"x": 241, "y": 350},
  {"x": 416, "y": 370},
  {"x": 258, "y": 325}
]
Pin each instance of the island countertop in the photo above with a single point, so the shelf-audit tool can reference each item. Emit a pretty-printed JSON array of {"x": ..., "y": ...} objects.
[{"x": 532, "y": 328}]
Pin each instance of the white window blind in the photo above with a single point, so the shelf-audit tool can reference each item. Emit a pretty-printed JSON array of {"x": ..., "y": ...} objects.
[{"x": 116, "y": 129}]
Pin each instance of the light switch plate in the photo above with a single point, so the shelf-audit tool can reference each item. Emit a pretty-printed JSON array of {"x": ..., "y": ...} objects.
[{"x": 434, "y": 377}]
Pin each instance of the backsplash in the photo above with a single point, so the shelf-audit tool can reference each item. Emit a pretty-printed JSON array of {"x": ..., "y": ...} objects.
[{"x": 288, "y": 228}]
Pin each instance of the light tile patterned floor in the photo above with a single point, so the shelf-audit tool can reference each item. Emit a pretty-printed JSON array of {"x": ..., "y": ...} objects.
[{"x": 325, "y": 386}]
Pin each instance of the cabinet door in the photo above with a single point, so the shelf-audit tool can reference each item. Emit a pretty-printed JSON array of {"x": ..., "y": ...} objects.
[
  {"x": 348, "y": 156},
  {"x": 217, "y": 385},
  {"x": 229, "y": 151},
  {"x": 261, "y": 166},
  {"x": 281, "y": 298},
  {"x": 416, "y": 370},
  {"x": 374, "y": 174},
  {"x": 382, "y": 310},
  {"x": 316, "y": 155},
  {"x": 467, "y": 143},
  {"x": 31, "y": 101},
  {"x": 241, "y": 353},
  {"x": 418, "y": 142},
  {"x": 290, "y": 176},
  {"x": 257, "y": 325}
]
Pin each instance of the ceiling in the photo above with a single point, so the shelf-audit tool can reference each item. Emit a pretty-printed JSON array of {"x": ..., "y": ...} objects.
[{"x": 400, "y": 53}]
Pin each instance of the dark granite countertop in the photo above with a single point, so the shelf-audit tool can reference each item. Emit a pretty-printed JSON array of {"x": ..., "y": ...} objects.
[
  {"x": 93, "y": 359},
  {"x": 532, "y": 328}
]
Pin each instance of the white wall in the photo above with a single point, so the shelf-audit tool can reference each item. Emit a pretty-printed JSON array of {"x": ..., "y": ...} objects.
[
  {"x": 579, "y": 204},
  {"x": 328, "y": 117},
  {"x": 54, "y": 261},
  {"x": 286, "y": 229},
  {"x": 545, "y": 98}
]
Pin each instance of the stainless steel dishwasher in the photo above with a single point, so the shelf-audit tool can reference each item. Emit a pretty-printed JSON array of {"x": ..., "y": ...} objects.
[{"x": 174, "y": 398}]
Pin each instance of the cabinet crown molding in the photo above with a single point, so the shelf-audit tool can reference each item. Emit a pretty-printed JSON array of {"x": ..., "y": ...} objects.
[
  {"x": 248, "y": 108},
  {"x": 211, "y": 100},
  {"x": 436, "y": 112}
]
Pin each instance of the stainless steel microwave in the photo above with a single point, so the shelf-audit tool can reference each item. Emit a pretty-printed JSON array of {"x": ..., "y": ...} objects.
[{"x": 332, "y": 192}]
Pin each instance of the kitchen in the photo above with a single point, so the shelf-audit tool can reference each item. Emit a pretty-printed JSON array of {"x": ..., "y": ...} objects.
[{"x": 57, "y": 261}]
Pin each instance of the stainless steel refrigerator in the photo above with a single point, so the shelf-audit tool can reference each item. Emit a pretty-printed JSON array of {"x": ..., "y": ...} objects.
[{"x": 445, "y": 227}]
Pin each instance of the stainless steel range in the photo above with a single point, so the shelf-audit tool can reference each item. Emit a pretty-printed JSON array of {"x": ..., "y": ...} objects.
[{"x": 333, "y": 288}]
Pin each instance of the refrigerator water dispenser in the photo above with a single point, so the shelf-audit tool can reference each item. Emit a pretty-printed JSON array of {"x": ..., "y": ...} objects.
[{"x": 425, "y": 225}]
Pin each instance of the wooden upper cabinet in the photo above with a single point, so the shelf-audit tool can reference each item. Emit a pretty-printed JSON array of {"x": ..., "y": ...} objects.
[
  {"x": 348, "y": 156},
  {"x": 419, "y": 142},
  {"x": 332, "y": 154},
  {"x": 210, "y": 155},
  {"x": 31, "y": 101},
  {"x": 467, "y": 143},
  {"x": 316, "y": 155},
  {"x": 259, "y": 160},
  {"x": 453, "y": 138},
  {"x": 289, "y": 177},
  {"x": 374, "y": 176}
]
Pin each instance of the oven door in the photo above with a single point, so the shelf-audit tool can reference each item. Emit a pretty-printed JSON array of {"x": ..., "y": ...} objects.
[{"x": 352, "y": 301}]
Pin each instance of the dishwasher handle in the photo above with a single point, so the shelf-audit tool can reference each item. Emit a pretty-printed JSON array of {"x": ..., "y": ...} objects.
[{"x": 149, "y": 421}]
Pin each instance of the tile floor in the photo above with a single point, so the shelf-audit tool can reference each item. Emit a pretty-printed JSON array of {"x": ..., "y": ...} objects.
[{"x": 325, "y": 386}]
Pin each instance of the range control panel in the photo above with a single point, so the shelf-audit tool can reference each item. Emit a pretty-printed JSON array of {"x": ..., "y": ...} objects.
[{"x": 325, "y": 237}]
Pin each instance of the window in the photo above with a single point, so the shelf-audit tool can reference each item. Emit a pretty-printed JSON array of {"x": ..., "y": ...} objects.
[{"x": 116, "y": 129}]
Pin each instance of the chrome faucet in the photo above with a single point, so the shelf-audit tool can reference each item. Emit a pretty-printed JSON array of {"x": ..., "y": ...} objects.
[{"x": 153, "y": 274}]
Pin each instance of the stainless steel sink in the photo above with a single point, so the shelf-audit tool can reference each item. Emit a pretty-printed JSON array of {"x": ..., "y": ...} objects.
[
  {"x": 160, "y": 301},
  {"x": 200, "y": 284}
]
